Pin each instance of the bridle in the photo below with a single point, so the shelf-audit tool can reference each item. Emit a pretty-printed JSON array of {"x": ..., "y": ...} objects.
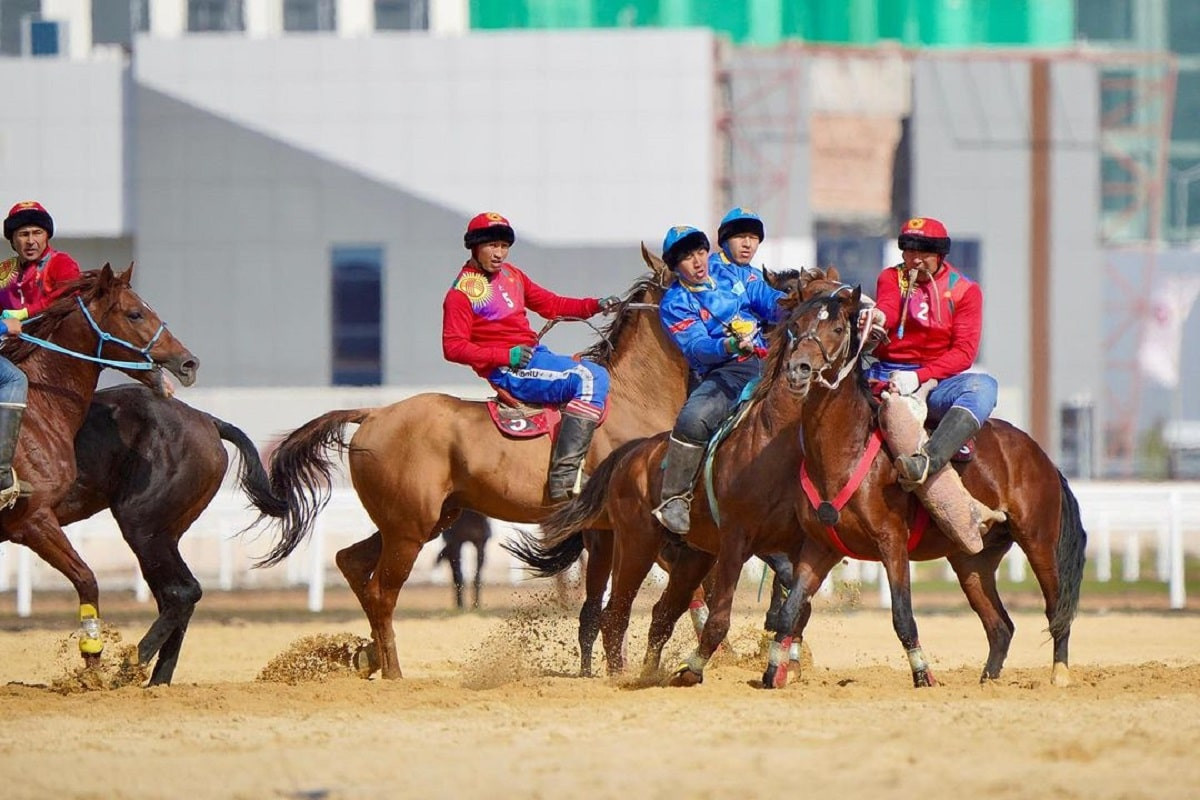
[
  {"x": 841, "y": 352},
  {"x": 104, "y": 336}
]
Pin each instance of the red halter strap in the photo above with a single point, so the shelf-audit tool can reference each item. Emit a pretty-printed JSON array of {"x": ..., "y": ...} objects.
[{"x": 920, "y": 522}]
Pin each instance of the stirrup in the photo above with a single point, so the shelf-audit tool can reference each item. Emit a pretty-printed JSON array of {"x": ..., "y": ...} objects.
[
  {"x": 658, "y": 514},
  {"x": 909, "y": 484},
  {"x": 10, "y": 495}
]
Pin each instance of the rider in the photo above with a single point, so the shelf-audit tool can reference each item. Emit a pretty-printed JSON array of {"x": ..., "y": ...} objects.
[
  {"x": 934, "y": 318},
  {"x": 29, "y": 282},
  {"x": 738, "y": 237},
  {"x": 484, "y": 326},
  {"x": 714, "y": 312}
]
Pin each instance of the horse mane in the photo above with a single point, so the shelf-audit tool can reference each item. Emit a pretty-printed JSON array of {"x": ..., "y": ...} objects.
[
  {"x": 601, "y": 351},
  {"x": 87, "y": 286}
]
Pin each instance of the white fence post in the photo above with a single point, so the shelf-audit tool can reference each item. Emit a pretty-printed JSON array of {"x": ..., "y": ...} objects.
[
  {"x": 316, "y": 568},
  {"x": 5, "y": 557},
  {"x": 1131, "y": 569},
  {"x": 24, "y": 582},
  {"x": 1103, "y": 556},
  {"x": 1174, "y": 548}
]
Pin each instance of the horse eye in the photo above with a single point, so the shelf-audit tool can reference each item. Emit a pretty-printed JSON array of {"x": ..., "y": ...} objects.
[
  {"x": 840, "y": 329},
  {"x": 135, "y": 316}
]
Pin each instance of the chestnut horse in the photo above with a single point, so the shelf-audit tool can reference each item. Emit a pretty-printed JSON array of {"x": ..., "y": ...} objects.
[
  {"x": 99, "y": 321},
  {"x": 415, "y": 463},
  {"x": 156, "y": 463},
  {"x": 615, "y": 498}
]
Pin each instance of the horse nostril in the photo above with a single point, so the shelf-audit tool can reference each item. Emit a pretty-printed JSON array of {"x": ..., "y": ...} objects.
[
  {"x": 805, "y": 369},
  {"x": 191, "y": 365}
]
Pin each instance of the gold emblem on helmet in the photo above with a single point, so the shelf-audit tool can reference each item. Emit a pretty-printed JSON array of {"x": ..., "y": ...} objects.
[{"x": 916, "y": 222}]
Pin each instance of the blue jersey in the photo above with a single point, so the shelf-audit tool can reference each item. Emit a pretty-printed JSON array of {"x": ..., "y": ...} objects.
[{"x": 700, "y": 318}]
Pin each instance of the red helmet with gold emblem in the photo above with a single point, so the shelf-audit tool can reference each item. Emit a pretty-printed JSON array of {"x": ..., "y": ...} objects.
[
  {"x": 924, "y": 234},
  {"x": 488, "y": 227}
]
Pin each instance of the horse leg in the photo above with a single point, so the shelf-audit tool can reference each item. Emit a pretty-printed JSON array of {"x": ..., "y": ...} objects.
[
  {"x": 727, "y": 570},
  {"x": 977, "y": 577},
  {"x": 479, "y": 556},
  {"x": 895, "y": 562},
  {"x": 599, "y": 547},
  {"x": 176, "y": 592},
  {"x": 454, "y": 556},
  {"x": 815, "y": 562},
  {"x": 356, "y": 563},
  {"x": 635, "y": 553},
  {"x": 40, "y": 532},
  {"x": 685, "y": 581},
  {"x": 395, "y": 564}
]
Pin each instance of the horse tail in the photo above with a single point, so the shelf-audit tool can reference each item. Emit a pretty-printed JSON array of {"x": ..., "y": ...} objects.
[
  {"x": 302, "y": 473},
  {"x": 1069, "y": 556},
  {"x": 562, "y": 532},
  {"x": 252, "y": 476}
]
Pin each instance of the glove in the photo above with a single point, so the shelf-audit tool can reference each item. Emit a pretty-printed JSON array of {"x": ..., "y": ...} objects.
[
  {"x": 904, "y": 381},
  {"x": 608, "y": 303},
  {"x": 520, "y": 356},
  {"x": 734, "y": 345},
  {"x": 15, "y": 313}
]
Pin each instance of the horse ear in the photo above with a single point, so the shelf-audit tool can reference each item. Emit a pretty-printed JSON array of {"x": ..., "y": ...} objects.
[
  {"x": 106, "y": 274},
  {"x": 656, "y": 265},
  {"x": 832, "y": 274},
  {"x": 127, "y": 275},
  {"x": 856, "y": 295}
]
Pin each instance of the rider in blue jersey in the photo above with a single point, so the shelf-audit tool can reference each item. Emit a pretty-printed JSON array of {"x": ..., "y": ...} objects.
[{"x": 714, "y": 311}]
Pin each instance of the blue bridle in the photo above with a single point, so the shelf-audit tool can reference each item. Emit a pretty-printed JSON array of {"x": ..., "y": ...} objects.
[{"x": 104, "y": 336}]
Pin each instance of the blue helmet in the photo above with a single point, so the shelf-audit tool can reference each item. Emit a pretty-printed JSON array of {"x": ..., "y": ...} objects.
[
  {"x": 681, "y": 240},
  {"x": 740, "y": 220}
]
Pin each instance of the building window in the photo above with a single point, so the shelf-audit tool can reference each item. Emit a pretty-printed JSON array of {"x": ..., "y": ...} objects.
[
  {"x": 116, "y": 21},
  {"x": 1104, "y": 20},
  {"x": 357, "y": 315},
  {"x": 309, "y": 15},
  {"x": 12, "y": 16},
  {"x": 401, "y": 15},
  {"x": 215, "y": 15}
]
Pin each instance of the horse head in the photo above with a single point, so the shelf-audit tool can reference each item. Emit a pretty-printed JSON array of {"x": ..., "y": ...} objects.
[
  {"x": 101, "y": 319},
  {"x": 820, "y": 341}
]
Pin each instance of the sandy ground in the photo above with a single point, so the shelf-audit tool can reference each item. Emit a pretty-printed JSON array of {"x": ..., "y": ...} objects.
[{"x": 489, "y": 708}]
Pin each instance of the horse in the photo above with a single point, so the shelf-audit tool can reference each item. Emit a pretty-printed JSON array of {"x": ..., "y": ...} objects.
[
  {"x": 156, "y": 463},
  {"x": 1009, "y": 472},
  {"x": 470, "y": 527},
  {"x": 98, "y": 314},
  {"x": 762, "y": 507},
  {"x": 615, "y": 497},
  {"x": 415, "y": 463}
]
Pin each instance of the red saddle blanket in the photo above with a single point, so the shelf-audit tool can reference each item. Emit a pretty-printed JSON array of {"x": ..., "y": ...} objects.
[{"x": 524, "y": 422}]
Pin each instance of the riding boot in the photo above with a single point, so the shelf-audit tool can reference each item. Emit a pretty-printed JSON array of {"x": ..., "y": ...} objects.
[
  {"x": 10, "y": 430},
  {"x": 953, "y": 430},
  {"x": 566, "y": 460},
  {"x": 680, "y": 466}
]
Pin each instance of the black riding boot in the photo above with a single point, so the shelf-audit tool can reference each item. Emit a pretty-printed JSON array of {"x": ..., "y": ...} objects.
[
  {"x": 566, "y": 460},
  {"x": 10, "y": 430},
  {"x": 953, "y": 431},
  {"x": 681, "y": 464}
]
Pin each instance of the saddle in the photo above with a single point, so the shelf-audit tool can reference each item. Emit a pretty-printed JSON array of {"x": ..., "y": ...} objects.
[
  {"x": 520, "y": 420},
  {"x": 965, "y": 453}
]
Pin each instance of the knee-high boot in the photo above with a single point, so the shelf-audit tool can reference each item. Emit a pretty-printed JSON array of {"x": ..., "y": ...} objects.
[
  {"x": 953, "y": 431},
  {"x": 566, "y": 460},
  {"x": 681, "y": 464},
  {"x": 10, "y": 430}
]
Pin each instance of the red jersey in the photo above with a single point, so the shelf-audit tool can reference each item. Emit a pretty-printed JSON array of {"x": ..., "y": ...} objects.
[
  {"x": 483, "y": 316},
  {"x": 40, "y": 282},
  {"x": 943, "y": 326}
]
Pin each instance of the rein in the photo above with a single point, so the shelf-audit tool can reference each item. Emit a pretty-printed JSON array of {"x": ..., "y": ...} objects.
[{"x": 103, "y": 336}]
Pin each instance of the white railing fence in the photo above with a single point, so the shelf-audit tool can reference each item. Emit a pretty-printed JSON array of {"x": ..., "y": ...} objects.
[{"x": 1125, "y": 521}]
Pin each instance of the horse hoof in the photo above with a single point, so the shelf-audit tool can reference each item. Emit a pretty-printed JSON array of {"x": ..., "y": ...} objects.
[
  {"x": 684, "y": 676},
  {"x": 91, "y": 660},
  {"x": 1060, "y": 676},
  {"x": 923, "y": 678},
  {"x": 774, "y": 677},
  {"x": 366, "y": 660}
]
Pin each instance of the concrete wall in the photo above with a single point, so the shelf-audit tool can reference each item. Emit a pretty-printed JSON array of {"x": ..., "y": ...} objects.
[
  {"x": 255, "y": 158},
  {"x": 62, "y": 142},
  {"x": 971, "y": 169}
]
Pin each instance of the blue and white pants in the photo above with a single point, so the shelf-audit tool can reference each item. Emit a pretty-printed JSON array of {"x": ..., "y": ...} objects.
[
  {"x": 14, "y": 386},
  {"x": 553, "y": 379},
  {"x": 974, "y": 391}
]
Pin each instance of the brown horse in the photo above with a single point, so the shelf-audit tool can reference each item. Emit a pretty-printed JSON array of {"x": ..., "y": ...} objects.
[
  {"x": 99, "y": 321},
  {"x": 415, "y": 463},
  {"x": 813, "y": 406},
  {"x": 616, "y": 498},
  {"x": 156, "y": 463}
]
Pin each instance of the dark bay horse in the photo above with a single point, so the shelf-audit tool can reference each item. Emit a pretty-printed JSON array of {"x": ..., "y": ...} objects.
[
  {"x": 472, "y": 528},
  {"x": 156, "y": 463},
  {"x": 1009, "y": 472},
  {"x": 415, "y": 463},
  {"x": 619, "y": 497},
  {"x": 98, "y": 319}
]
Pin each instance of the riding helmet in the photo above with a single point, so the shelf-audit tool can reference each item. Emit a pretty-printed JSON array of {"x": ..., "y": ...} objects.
[
  {"x": 924, "y": 234},
  {"x": 27, "y": 213},
  {"x": 740, "y": 220},
  {"x": 488, "y": 227}
]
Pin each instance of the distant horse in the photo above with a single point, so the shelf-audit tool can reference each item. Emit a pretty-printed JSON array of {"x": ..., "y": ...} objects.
[
  {"x": 473, "y": 528},
  {"x": 617, "y": 496},
  {"x": 156, "y": 463},
  {"x": 99, "y": 320},
  {"x": 415, "y": 463}
]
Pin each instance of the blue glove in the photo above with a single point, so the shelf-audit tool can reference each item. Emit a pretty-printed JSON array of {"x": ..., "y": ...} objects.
[
  {"x": 520, "y": 356},
  {"x": 610, "y": 302}
]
